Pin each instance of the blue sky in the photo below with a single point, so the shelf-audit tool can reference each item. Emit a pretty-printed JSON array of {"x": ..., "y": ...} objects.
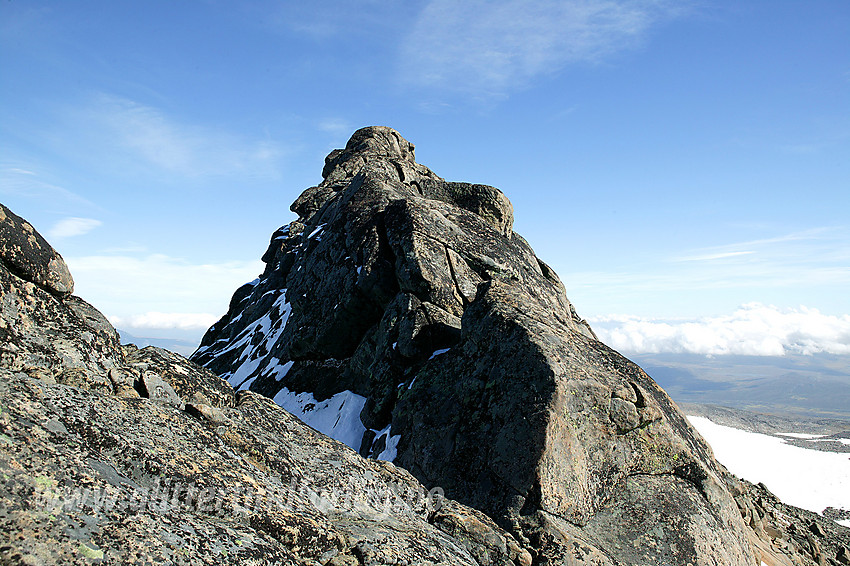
[{"x": 675, "y": 160}]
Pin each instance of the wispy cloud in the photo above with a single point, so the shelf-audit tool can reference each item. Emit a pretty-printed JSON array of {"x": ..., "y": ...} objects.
[
  {"x": 321, "y": 20},
  {"x": 150, "y": 135},
  {"x": 754, "y": 329},
  {"x": 489, "y": 48},
  {"x": 714, "y": 256},
  {"x": 337, "y": 127},
  {"x": 812, "y": 266},
  {"x": 26, "y": 181},
  {"x": 73, "y": 226},
  {"x": 805, "y": 267}
]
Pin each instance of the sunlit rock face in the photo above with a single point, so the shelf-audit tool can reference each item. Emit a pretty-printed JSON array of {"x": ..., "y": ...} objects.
[{"x": 413, "y": 298}]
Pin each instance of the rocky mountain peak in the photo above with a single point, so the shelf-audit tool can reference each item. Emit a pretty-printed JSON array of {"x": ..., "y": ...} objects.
[
  {"x": 402, "y": 315},
  {"x": 368, "y": 143},
  {"x": 398, "y": 318}
]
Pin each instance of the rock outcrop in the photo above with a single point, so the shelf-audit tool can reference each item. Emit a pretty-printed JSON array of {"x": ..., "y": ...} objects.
[
  {"x": 401, "y": 314},
  {"x": 115, "y": 455},
  {"x": 410, "y": 301},
  {"x": 27, "y": 254}
]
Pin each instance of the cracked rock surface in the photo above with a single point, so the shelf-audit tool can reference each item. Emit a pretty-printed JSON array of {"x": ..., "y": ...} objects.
[
  {"x": 114, "y": 455},
  {"x": 414, "y": 293},
  {"x": 410, "y": 299}
]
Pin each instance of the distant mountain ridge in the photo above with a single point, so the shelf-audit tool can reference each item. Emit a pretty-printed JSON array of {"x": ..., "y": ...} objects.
[
  {"x": 815, "y": 385},
  {"x": 182, "y": 347}
]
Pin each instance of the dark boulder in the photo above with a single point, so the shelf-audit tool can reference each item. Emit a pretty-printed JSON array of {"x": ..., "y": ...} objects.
[{"x": 27, "y": 254}]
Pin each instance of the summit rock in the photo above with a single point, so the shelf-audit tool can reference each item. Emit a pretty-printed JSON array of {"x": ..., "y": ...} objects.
[{"x": 400, "y": 313}]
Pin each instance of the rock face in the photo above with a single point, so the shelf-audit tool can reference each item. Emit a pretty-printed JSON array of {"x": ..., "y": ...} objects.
[
  {"x": 115, "y": 455},
  {"x": 27, "y": 254},
  {"x": 473, "y": 370},
  {"x": 401, "y": 314}
]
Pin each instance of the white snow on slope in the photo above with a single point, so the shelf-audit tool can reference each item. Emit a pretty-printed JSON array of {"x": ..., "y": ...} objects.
[
  {"x": 270, "y": 327},
  {"x": 337, "y": 417},
  {"x": 391, "y": 447},
  {"x": 801, "y": 435},
  {"x": 439, "y": 353},
  {"x": 804, "y": 478}
]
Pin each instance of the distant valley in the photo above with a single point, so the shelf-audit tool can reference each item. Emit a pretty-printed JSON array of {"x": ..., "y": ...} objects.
[{"x": 811, "y": 386}]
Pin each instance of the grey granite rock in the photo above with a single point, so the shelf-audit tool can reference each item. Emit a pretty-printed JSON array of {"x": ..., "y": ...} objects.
[
  {"x": 416, "y": 294},
  {"x": 476, "y": 375}
]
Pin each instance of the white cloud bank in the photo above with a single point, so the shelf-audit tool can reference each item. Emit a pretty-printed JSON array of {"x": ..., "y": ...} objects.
[
  {"x": 754, "y": 330},
  {"x": 157, "y": 291},
  {"x": 166, "y": 320},
  {"x": 73, "y": 226},
  {"x": 489, "y": 47}
]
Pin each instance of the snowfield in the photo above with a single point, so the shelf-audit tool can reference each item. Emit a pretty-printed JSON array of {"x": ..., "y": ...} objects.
[
  {"x": 809, "y": 479},
  {"x": 337, "y": 417}
]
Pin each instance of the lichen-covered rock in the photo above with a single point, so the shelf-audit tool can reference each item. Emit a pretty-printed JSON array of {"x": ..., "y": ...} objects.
[
  {"x": 786, "y": 535},
  {"x": 123, "y": 456},
  {"x": 182, "y": 375},
  {"x": 54, "y": 338},
  {"x": 28, "y": 255},
  {"x": 478, "y": 375}
]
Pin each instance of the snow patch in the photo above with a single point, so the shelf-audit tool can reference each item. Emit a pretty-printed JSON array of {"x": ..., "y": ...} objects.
[
  {"x": 319, "y": 229},
  {"x": 801, "y": 435},
  {"x": 810, "y": 479},
  {"x": 438, "y": 353},
  {"x": 337, "y": 417},
  {"x": 281, "y": 371},
  {"x": 269, "y": 328},
  {"x": 390, "y": 451}
]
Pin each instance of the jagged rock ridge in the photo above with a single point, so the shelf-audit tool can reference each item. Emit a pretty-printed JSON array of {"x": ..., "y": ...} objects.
[
  {"x": 115, "y": 455},
  {"x": 413, "y": 298}
]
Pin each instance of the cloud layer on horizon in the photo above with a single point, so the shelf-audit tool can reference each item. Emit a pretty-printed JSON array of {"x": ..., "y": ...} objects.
[
  {"x": 753, "y": 330},
  {"x": 165, "y": 320},
  {"x": 155, "y": 290}
]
